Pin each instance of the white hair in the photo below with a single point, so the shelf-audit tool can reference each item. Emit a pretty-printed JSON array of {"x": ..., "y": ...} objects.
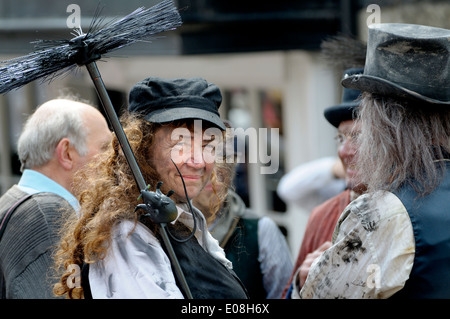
[
  {"x": 50, "y": 123},
  {"x": 402, "y": 143}
]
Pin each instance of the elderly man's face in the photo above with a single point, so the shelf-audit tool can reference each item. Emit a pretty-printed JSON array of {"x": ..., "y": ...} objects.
[
  {"x": 98, "y": 138},
  {"x": 192, "y": 150},
  {"x": 348, "y": 132}
]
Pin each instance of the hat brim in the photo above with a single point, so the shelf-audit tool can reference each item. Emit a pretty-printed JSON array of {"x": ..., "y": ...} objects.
[
  {"x": 373, "y": 84},
  {"x": 172, "y": 114},
  {"x": 339, "y": 113}
]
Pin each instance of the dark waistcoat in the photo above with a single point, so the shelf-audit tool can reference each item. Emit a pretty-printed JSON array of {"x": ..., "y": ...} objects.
[
  {"x": 206, "y": 277},
  {"x": 242, "y": 249},
  {"x": 430, "y": 218}
]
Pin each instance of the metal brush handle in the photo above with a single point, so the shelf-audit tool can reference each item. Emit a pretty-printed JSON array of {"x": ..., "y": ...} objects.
[
  {"x": 114, "y": 121},
  {"x": 123, "y": 141}
]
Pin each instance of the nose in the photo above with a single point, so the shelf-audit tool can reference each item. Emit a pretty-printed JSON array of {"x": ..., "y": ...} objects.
[
  {"x": 347, "y": 149},
  {"x": 196, "y": 159}
]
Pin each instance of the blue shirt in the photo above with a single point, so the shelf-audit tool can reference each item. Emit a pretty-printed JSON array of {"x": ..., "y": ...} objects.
[{"x": 33, "y": 182}]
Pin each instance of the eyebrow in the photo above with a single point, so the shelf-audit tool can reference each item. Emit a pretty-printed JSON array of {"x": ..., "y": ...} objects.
[
  {"x": 211, "y": 137},
  {"x": 205, "y": 138}
]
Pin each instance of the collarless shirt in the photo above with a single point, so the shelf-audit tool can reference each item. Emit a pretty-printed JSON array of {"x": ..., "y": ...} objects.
[
  {"x": 372, "y": 253},
  {"x": 33, "y": 182}
]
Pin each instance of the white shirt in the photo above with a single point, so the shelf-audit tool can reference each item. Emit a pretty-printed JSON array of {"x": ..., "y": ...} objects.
[
  {"x": 136, "y": 265},
  {"x": 372, "y": 253},
  {"x": 274, "y": 256}
]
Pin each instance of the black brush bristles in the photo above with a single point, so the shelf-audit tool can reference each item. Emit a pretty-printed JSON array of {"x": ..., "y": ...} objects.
[{"x": 53, "y": 58}]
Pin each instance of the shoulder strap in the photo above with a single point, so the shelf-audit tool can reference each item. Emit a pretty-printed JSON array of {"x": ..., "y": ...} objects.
[
  {"x": 85, "y": 281},
  {"x": 10, "y": 212}
]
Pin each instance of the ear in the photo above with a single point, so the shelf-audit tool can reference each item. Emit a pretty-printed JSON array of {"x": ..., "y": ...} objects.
[{"x": 64, "y": 154}]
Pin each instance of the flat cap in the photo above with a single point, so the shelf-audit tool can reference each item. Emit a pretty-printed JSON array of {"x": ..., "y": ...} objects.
[{"x": 166, "y": 100}]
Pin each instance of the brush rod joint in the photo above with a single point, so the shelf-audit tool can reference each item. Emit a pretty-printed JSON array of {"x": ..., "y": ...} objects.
[{"x": 82, "y": 55}]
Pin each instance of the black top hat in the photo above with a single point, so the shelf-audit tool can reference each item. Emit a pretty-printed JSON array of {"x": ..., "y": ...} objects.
[
  {"x": 347, "y": 109},
  {"x": 166, "y": 100},
  {"x": 406, "y": 61}
]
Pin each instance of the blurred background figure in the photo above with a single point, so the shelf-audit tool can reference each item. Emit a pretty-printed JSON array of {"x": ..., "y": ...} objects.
[{"x": 323, "y": 218}]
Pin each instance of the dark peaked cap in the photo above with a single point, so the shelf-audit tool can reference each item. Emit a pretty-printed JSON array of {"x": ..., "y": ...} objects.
[
  {"x": 348, "y": 109},
  {"x": 166, "y": 100}
]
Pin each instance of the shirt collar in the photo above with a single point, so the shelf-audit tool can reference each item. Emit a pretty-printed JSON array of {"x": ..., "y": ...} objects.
[{"x": 33, "y": 182}]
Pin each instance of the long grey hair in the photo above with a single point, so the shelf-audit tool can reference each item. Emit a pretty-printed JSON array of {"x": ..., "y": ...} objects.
[
  {"x": 46, "y": 127},
  {"x": 402, "y": 143}
]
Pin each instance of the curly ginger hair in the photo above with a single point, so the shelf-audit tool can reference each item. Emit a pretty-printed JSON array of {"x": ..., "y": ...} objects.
[{"x": 107, "y": 193}]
